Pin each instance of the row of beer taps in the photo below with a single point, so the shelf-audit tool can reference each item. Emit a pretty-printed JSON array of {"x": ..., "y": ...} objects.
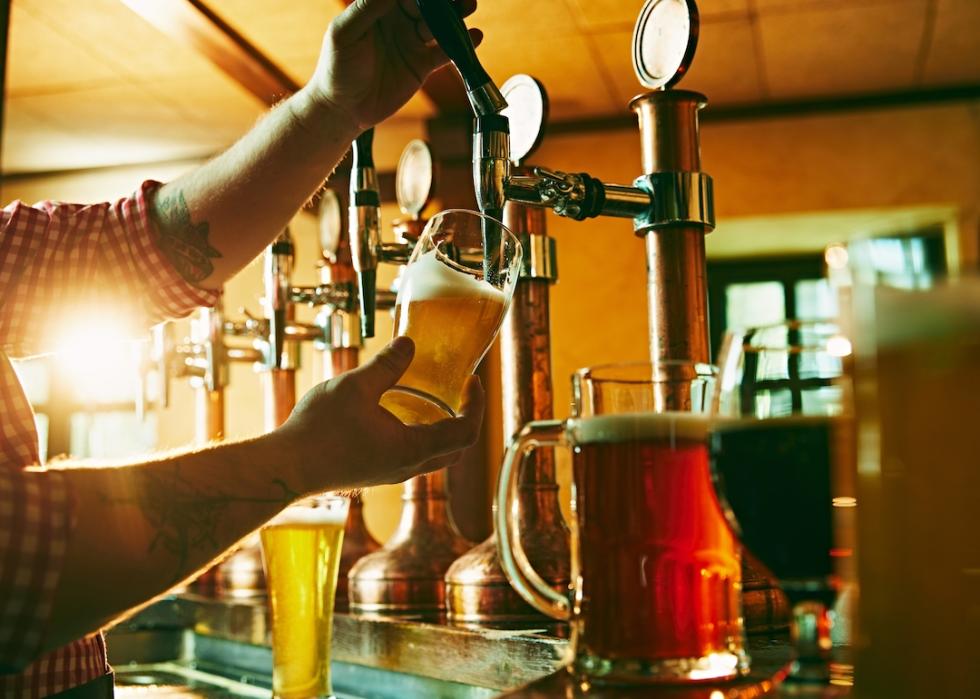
[{"x": 427, "y": 570}]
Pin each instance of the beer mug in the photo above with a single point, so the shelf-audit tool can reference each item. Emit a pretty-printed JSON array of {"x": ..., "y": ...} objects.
[
  {"x": 301, "y": 549},
  {"x": 452, "y": 298},
  {"x": 656, "y": 569}
]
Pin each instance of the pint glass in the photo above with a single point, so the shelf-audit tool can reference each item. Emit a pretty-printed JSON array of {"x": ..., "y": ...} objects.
[
  {"x": 452, "y": 298},
  {"x": 301, "y": 548},
  {"x": 656, "y": 595}
]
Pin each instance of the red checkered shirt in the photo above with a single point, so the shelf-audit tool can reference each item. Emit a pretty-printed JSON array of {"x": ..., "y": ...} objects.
[{"x": 56, "y": 261}]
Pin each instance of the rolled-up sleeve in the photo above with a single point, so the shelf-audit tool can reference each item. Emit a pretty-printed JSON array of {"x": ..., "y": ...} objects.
[
  {"x": 60, "y": 263},
  {"x": 35, "y": 521}
]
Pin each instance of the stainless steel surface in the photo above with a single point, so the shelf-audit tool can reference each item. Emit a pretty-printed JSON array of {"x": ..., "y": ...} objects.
[
  {"x": 213, "y": 641},
  {"x": 277, "y": 279},
  {"x": 674, "y": 198},
  {"x": 491, "y": 164},
  {"x": 486, "y": 99},
  {"x": 364, "y": 227}
]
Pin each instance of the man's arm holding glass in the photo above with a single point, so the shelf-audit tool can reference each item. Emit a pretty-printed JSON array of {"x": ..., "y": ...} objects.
[{"x": 142, "y": 528}]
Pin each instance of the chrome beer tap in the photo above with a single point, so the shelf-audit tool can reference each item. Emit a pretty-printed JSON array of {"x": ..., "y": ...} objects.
[
  {"x": 671, "y": 205},
  {"x": 405, "y": 577}
]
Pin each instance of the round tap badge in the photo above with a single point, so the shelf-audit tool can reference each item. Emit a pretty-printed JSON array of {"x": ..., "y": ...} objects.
[
  {"x": 527, "y": 111},
  {"x": 664, "y": 41},
  {"x": 413, "y": 180},
  {"x": 330, "y": 223}
]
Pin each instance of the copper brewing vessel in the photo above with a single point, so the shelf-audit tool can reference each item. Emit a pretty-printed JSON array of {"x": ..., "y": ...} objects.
[
  {"x": 478, "y": 593},
  {"x": 405, "y": 577}
]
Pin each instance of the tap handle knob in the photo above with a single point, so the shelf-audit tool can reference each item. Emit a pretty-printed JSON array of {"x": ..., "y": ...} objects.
[{"x": 446, "y": 25}]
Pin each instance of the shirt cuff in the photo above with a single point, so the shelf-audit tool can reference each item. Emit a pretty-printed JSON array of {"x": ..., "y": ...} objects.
[{"x": 169, "y": 294}]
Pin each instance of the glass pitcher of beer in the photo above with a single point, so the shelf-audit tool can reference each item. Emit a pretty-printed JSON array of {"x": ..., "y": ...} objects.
[
  {"x": 452, "y": 298},
  {"x": 657, "y": 571},
  {"x": 301, "y": 549}
]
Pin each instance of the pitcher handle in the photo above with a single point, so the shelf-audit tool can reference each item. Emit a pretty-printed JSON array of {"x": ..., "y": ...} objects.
[{"x": 528, "y": 583}]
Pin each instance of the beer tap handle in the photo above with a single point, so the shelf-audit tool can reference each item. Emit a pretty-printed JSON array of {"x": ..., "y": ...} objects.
[
  {"x": 278, "y": 276},
  {"x": 365, "y": 227},
  {"x": 446, "y": 25}
]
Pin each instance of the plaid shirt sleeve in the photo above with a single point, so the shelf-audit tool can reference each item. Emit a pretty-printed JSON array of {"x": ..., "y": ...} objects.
[
  {"x": 35, "y": 517},
  {"x": 61, "y": 263}
]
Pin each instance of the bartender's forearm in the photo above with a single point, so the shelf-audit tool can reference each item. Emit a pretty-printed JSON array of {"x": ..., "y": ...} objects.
[
  {"x": 139, "y": 530},
  {"x": 215, "y": 219}
]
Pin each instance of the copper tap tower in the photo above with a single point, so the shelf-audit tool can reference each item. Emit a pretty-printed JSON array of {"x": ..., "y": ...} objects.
[
  {"x": 478, "y": 593},
  {"x": 341, "y": 348},
  {"x": 671, "y": 205},
  {"x": 405, "y": 577}
]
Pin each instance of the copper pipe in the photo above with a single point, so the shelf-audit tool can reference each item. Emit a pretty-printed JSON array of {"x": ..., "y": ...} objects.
[
  {"x": 669, "y": 132},
  {"x": 279, "y": 392},
  {"x": 678, "y": 300},
  {"x": 677, "y": 294},
  {"x": 209, "y": 415},
  {"x": 478, "y": 592}
]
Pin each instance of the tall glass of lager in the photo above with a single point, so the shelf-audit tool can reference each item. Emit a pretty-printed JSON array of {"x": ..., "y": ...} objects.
[
  {"x": 656, "y": 568},
  {"x": 452, "y": 298},
  {"x": 301, "y": 549}
]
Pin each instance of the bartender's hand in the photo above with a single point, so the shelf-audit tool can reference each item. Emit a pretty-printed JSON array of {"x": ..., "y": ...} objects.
[
  {"x": 375, "y": 56},
  {"x": 340, "y": 424}
]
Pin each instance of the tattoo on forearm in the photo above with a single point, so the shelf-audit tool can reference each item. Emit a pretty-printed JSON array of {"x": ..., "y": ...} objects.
[
  {"x": 183, "y": 242},
  {"x": 185, "y": 519}
]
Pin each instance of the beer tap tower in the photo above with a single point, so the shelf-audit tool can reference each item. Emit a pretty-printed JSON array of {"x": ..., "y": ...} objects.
[
  {"x": 477, "y": 590},
  {"x": 404, "y": 578},
  {"x": 341, "y": 348},
  {"x": 671, "y": 204}
]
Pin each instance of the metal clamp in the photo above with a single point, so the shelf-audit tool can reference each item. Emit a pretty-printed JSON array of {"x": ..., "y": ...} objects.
[
  {"x": 540, "y": 258},
  {"x": 676, "y": 198}
]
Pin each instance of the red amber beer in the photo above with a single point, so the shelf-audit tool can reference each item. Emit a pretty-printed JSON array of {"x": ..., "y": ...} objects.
[
  {"x": 656, "y": 567},
  {"x": 655, "y": 545}
]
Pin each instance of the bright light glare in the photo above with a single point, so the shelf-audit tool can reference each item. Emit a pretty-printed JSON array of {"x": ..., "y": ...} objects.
[
  {"x": 99, "y": 358},
  {"x": 839, "y": 346},
  {"x": 845, "y": 501},
  {"x": 836, "y": 256}
]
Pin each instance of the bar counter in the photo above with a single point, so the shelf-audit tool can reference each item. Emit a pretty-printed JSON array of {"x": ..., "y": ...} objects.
[{"x": 199, "y": 646}]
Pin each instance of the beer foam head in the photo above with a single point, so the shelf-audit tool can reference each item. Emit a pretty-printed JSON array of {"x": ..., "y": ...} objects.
[
  {"x": 310, "y": 516},
  {"x": 630, "y": 427},
  {"x": 428, "y": 278}
]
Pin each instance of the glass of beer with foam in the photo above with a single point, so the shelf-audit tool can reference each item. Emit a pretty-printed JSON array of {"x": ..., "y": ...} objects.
[
  {"x": 452, "y": 297},
  {"x": 301, "y": 549},
  {"x": 657, "y": 571}
]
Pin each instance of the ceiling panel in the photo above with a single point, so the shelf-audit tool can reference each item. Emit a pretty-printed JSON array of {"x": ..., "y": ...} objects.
[
  {"x": 523, "y": 17},
  {"x": 563, "y": 63},
  {"x": 954, "y": 51},
  {"x": 42, "y": 135},
  {"x": 765, "y": 6},
  {"x": 621, "y": 14},
  {"x": 842, "y": 49}
]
